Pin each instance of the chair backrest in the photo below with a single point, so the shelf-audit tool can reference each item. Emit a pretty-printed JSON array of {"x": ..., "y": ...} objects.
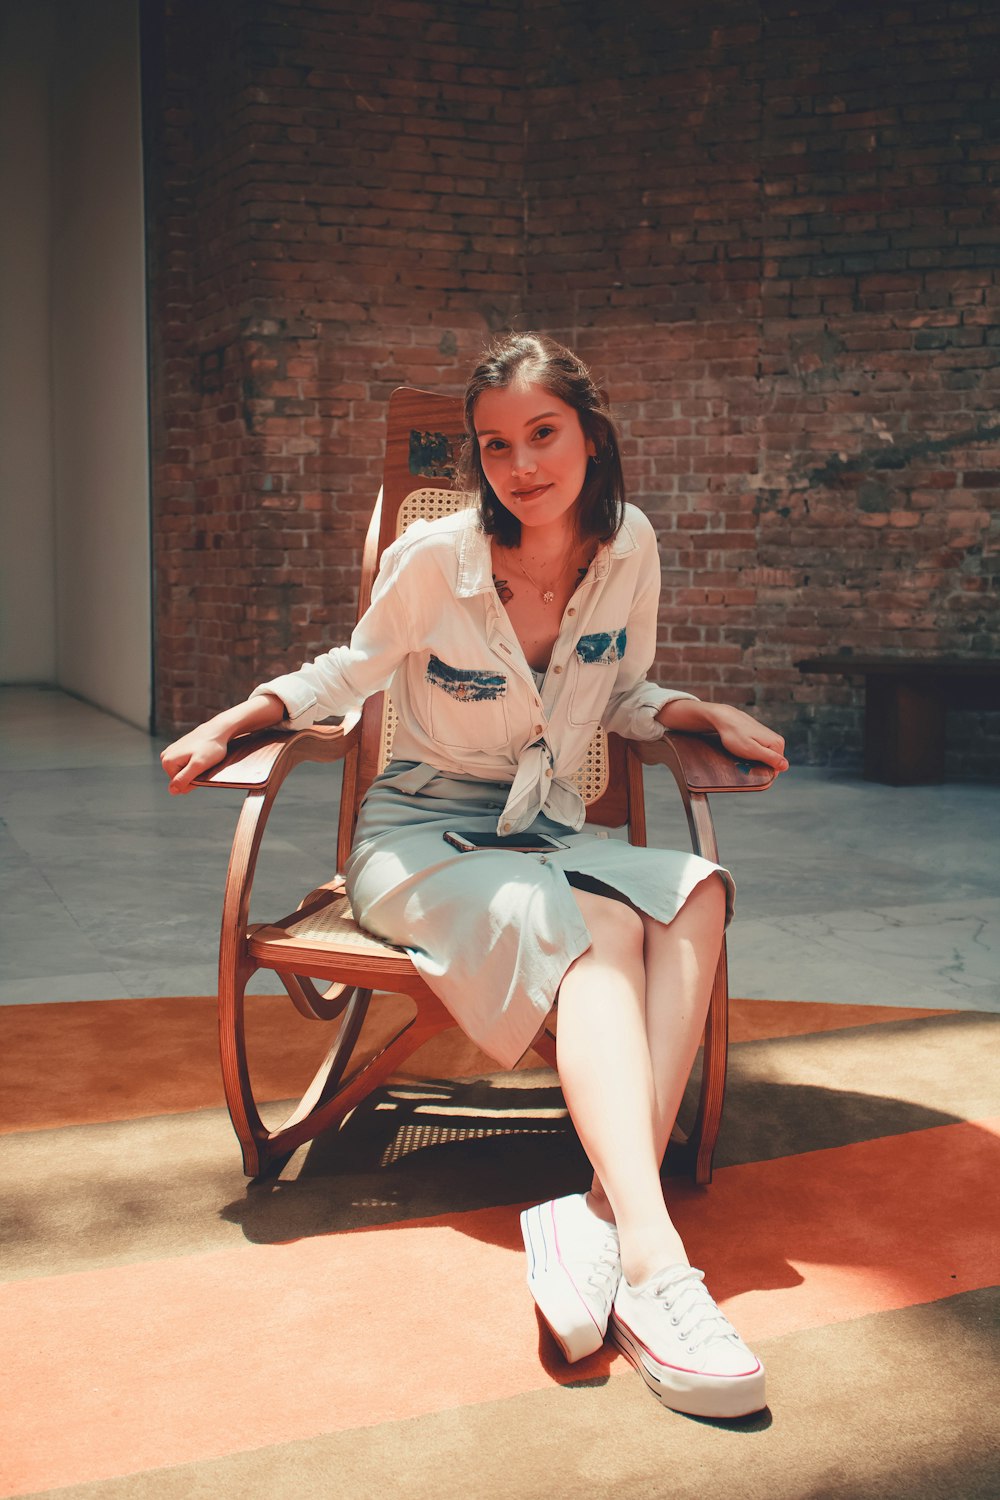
[{"x": 423, "y": 445}]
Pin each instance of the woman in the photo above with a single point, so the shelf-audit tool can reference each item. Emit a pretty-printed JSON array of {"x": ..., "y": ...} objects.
[{"x": 508, "y": 634}]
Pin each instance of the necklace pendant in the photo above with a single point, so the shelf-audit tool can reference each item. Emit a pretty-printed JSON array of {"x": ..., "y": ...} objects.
[{"x": 548, "y": 596}]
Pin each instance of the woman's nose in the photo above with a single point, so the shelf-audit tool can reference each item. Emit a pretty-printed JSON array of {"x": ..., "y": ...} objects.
[{"x": 522, "y": 461}]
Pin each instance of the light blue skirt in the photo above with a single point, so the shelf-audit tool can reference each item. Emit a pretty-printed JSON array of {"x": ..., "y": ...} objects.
[{"x": 493, "y": 932}]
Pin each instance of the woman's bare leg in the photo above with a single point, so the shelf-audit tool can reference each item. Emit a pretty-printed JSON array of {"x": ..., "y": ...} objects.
[
  {"x": 607, "y": 1076},
  {"x": 679, "y": 961}
]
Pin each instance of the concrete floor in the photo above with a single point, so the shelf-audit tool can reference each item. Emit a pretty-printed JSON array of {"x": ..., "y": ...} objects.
[{"x": 848, "y": 891}]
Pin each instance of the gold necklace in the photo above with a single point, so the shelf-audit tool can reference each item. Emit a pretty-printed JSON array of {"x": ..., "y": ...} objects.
[{"x": 547, "y": 595}]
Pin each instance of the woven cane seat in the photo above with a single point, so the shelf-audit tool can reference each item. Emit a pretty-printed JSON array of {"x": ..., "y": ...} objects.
[{"x": 334, "y": 926}]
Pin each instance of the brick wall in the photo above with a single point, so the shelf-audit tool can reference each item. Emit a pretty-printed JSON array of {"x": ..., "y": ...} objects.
[
  {"x": 336, "y": 209},
  {"x": 644, "y": 250},
  {"x": 776, "y": 228},
  {"x": 773, "y": 229}
]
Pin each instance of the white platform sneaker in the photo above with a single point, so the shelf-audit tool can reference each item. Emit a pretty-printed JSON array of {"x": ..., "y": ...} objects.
[
  {"x": 574, "y": 1268},
  {"x": 685, "y": 1349}
]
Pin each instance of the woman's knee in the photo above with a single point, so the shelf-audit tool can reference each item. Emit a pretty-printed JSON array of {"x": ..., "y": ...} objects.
[
  {"x": 707, "y": 905},
  {"x": 701, "y": 919},
  {"x": 715, "y": 894}
]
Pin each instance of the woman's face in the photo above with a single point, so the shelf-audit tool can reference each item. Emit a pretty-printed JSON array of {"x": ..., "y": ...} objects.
[{"x": 533, "y": 451}]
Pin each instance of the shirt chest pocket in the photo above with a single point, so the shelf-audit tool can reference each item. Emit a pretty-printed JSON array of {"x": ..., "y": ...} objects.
[
  {"x": 594, "y": 668},
  {"x": 467, "y": 707}
]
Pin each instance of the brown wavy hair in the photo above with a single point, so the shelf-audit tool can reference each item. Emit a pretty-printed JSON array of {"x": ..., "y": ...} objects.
[{"x": 538, "y": 360}]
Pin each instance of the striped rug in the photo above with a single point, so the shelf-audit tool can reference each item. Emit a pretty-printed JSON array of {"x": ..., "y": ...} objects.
[{"x": 361, "y": 1326}]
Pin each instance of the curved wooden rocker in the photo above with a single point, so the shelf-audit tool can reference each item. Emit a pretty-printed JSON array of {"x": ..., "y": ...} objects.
[{"x": 320, "y": 941}]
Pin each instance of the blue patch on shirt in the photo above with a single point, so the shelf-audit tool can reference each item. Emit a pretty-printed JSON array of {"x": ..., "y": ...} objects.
[
  {"x": 466, "y": 686},
  {"x": 604, "y": 646}
]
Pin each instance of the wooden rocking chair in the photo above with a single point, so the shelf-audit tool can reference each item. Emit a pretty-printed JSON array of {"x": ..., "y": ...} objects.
[{"x": 321, "y": 941}]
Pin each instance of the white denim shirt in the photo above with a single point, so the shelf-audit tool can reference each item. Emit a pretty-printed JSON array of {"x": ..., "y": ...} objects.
[{"x": 437, "y": 636}]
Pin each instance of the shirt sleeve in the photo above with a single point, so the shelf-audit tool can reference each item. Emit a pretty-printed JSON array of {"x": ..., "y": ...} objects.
[
  {"x": 340, "y": 680},
  {"x": 635, "y": 701}
]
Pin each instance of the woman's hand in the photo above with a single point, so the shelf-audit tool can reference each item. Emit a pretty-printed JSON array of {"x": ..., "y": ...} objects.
[
  {"x": 745, "y": 736},
  {"x": 204, "y": 747},
  {"x": 192, "y": 754},
  {"x": 741, "y": 734}
]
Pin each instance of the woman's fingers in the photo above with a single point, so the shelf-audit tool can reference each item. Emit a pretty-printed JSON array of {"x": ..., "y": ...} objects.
[
  {"x": 771, "y": 757},
  {"x": 187, "y": 758},
  {"x": 182, "y": 778},
  {"x": 770, "y": 749},
  {"x": 743, "y": 735},
  {"x": 184, "y": 772}
]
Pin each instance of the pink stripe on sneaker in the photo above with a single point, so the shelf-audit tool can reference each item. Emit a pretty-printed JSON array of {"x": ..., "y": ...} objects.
[{"x": 583, "y": 1301}]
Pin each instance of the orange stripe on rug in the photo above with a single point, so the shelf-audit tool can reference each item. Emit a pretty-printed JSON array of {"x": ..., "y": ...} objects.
[
  {"x": 760, "y": 1020},
  {"x": 102, "y": 1060},
  {"x": 161, "y": 1363}
]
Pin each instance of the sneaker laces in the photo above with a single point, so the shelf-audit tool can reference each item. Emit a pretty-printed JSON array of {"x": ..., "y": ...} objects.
[
  {"x": 691, "y": 1307},
  {"x": 605, "y": 1268}
]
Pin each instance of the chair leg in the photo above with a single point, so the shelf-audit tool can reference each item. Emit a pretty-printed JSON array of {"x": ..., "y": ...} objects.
[
  {"x": 713, "y": 1076},
  {"x": 331, "y": 1098},
  {"x": 249, "y": 1127},
  {"x": 331, "y": 1070},
  {"x": 334, "y": 1090}
]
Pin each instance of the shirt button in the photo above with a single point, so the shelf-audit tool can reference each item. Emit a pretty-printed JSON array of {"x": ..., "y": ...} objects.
[
  {"x": 506, "y": 828},
  {"x": 537, "y": 729},
  {"x": 557, "y": 669},
  {"x": 571, "y": 611},
  {"x": 548, "y": 770}
]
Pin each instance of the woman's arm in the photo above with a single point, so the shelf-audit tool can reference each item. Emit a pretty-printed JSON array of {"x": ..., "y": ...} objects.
[
  {"x": 335, "y": 683},
  {"x": 740, "y": 733},
  {"x": 204, "y": 747}
]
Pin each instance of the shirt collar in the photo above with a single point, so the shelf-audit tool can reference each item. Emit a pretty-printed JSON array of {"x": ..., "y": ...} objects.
[
  {"x": 475, "y": 571},
  {"x": 619, "y": 546}
]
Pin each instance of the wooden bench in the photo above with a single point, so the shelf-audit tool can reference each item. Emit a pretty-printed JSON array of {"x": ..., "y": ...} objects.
[{"x": 906, "y": 704}]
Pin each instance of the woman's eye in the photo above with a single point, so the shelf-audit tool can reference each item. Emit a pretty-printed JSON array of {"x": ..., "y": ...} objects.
[
  {"x": 495, "y": 445},
  {"x": 544, "y": 432}
]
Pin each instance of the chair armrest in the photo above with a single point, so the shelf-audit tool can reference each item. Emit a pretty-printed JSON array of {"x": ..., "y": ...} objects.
[
  {"x": 255, "y": 758},
  {"x": 702, "y": 764}
]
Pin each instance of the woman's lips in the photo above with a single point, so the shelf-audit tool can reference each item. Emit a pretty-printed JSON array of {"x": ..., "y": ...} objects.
[{"x": 531, "y": 494}]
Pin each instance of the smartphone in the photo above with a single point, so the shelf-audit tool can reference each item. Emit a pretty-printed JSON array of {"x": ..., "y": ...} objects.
[{"x": 520, "y": 843}]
